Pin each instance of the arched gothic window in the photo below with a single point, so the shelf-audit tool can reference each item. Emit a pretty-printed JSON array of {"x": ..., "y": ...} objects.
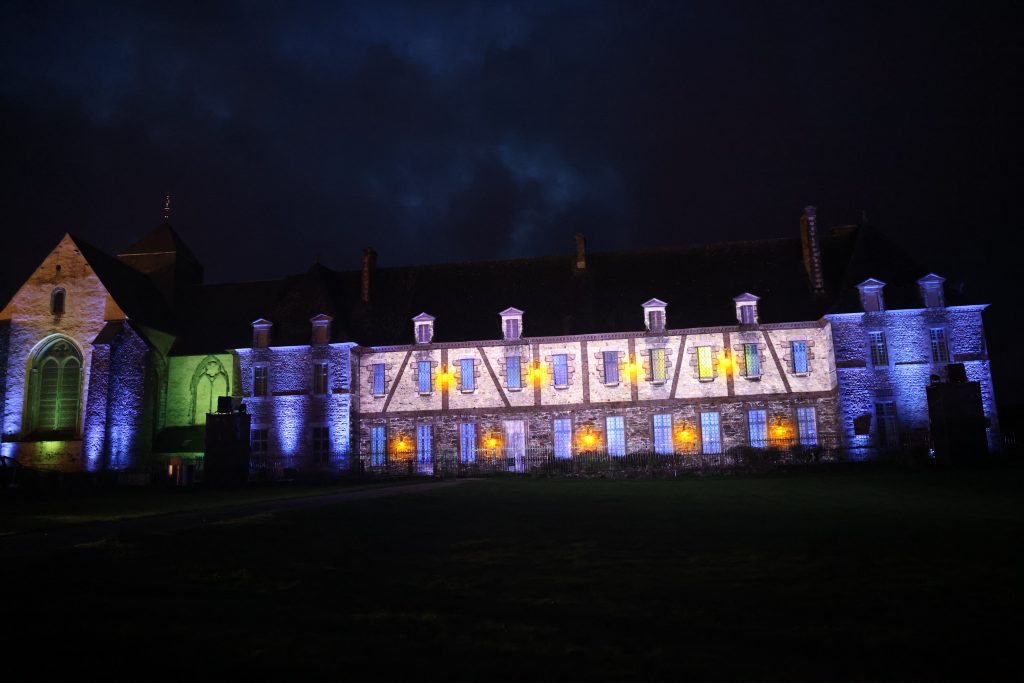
[
  {"x": 56, "y": 387},
  {"x": 209, "y": 381},
  {"x": 57, "y": 301}
]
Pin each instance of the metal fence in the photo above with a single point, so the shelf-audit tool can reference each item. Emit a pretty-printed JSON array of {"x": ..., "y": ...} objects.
[{"x": 543, "y": 461}]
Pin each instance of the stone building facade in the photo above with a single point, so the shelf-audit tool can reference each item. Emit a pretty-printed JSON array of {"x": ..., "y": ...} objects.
[
  {"x": 603, "y": 391},
  {"x": 113, "y": 363},
  {"x": 886, "y": 359}
]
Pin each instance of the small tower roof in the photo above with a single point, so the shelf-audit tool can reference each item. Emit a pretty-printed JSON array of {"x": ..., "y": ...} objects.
[
  {"x": 746, "y": 296},
  {"x": 510, "y": 312},
  {"x": 160, "y": 240},
  {"x": 654, "y": 303},
  {"x": 424, "y": 318}
]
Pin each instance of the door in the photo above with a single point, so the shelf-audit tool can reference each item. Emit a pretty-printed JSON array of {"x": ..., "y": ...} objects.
[{"x": 515, "y": 444}]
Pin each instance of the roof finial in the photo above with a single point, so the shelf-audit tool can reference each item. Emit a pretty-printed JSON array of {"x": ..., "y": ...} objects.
[{"x": 167, "y": 207}]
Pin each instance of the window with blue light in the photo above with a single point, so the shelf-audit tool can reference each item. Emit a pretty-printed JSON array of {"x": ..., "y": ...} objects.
[
  {"x": 878, "y": 348},
  {"x": 560, "y": 366},
  {"x": 423, "y": 376},
  {"x": 940, "y": 349},
  {"x": 807, "y": 426},
  {"x": 467, "y": 380},
  {"x": 610, "y": 359},
  {"x": 513, "y": 372},
  {"x": 319, "y": 378},
  {"x": 424, "y": 445},
  {"x": 888, "y": 427},
  {"x": 705, "y": 367},
  {"x": 751, "y": 360},
  {"x": 563, "y": 438},
  {"x": 467, "y": 441},
  {"x": 757, "y": 428},
  {"x": 321, "y": 444},
  {"x": 258, "y": 441},
  {"x": 615, "y": 430},
  {"x": 657, "y": 361},
  {"x": 378, "y": 379},
  {"x": 710, "y": 433},
  {"x": 663, "y": 434},
  {"x": 260, "y": 379},
  {"x": 798, "y": 350},
  {"x": 378, "y": 445}
]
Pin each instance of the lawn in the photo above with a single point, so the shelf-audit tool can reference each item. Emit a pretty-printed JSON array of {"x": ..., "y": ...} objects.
[
  {"x": 25, "y": 511},
  {"x": 821, "y": 577}
]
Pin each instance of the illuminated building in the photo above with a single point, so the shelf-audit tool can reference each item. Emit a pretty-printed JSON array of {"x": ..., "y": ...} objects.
[{"x": 824, "y": 338}]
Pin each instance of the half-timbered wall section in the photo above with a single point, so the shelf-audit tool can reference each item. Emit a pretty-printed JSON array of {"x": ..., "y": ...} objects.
[{"x": 587, "y": 379}]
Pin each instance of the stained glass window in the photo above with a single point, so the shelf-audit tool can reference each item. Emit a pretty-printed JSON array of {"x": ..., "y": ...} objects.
[
  {"x": 705, "y": 368},
  {"x": 563, "y": 438},
  {"x": 799, "y": 352},
  {"x": 616, "y": 435},
  {"x": 663, "y": 434}
]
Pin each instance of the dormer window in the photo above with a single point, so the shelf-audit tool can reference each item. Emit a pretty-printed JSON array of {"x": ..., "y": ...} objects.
[
  {"x": 746, "y": 308},
  {"x": 511, "y": 323},
  {"x": 57, "y": 301},
  {"x": 321, "y": 328},
  {"x": 423, "y": 326},
  {"x": 871, "y": 299},
  {"x": 932, "y": 294},
  {"x": 261, "y": 333},
  {"x": 654, "y": 315}
]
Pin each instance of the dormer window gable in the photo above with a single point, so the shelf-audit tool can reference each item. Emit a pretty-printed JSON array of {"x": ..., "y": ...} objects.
[
  {"x": 511, "y": 323},
  {"x": 871, "y": 297},
  {"x": 261, "y": 333},
  {"x": 746, "y": 308},
  {"x": 423, "y": 327},
  {"x": 654, "y": 315},
  {"x": 932, "y": 291},
  {"x": 321, "y": 328}
]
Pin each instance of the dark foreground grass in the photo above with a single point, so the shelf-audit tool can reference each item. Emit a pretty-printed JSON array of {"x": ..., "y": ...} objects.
[
  {"x": 845, "y": 577},
  {"x": 29, "y": 511}
]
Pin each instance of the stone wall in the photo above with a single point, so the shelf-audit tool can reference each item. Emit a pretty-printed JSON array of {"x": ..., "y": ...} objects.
[
  {"x": 194, "y": 382},
  {"x": 87, "y": 307},
  {"x": 910, "y": 368},
  {"x": 291, "y": 410},
  {"x": 591, "y": 421}
]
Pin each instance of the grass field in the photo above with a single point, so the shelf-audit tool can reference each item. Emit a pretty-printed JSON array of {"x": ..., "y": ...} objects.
[
  {"x": 818, "y": 577},
  {"x": 21, "y": 512}
]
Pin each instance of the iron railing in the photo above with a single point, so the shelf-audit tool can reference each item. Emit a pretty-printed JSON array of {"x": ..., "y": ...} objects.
[{"x": 544, "y": 461}]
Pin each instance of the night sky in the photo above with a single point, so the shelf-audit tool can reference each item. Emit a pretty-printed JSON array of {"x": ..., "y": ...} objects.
[{"x": 438, "y": 131}]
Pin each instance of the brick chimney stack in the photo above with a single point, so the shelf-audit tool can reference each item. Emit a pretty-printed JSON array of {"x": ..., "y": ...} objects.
[
  {"x": 581, "y": 252},
  {"x": 369, "y": 265},
  {"x": 811, "y": 243}
]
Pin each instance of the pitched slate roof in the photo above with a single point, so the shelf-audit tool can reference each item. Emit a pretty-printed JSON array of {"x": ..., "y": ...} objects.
[
  {"x": 699, "y": 283},
  {"x": 161, "y": 239},
  {"x": 135, "y": 293}
]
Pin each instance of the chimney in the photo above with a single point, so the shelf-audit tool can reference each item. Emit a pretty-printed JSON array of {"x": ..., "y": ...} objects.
[
  {"x": 369, "y": 265},
  {"x": 812, "y": 249},
  {"x": 581, "y": 252}
]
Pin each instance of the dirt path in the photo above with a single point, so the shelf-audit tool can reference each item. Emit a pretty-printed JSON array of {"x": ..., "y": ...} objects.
[{"x": 81, "y": 534}]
